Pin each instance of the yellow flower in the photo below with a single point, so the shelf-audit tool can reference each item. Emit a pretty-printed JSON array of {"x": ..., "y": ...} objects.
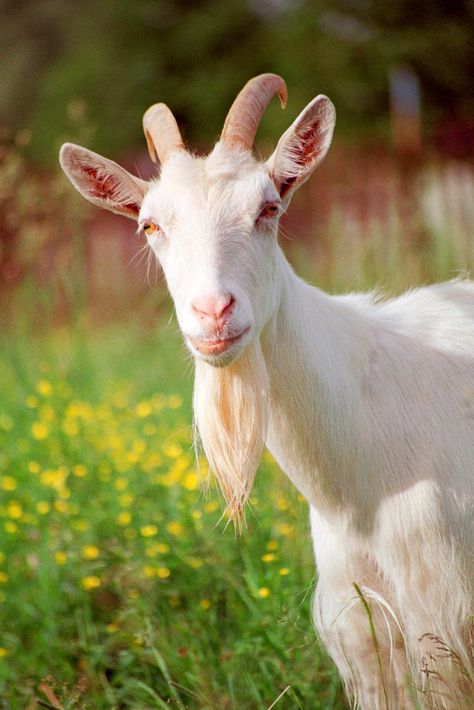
[
  {"x": 191, "y": 481},
  {"x": 61, "y": 506},
  {"x": 112, "y": 628},
  {"x": 268, "y": 557},
  {"x": 10, "y": 527},
  {"x": 124, "y": 518},
  {"x": 126, "y": 499},
  {"x": 3, "y": 577},
  {"x": 175, "y": 401},
  {"x": 163, "y": 572},
  {"x": 271, "y": 545},
  {"x": 148, "y": 530},
  {"x": 175, "y": 528},
  {"x": 91, "y": 582},
  {"x": 44, "y": 387},
  {"x": 60, "y": 557},
  {"x": 3, "y": 651},
  {"x": 143, "y": 409},
  {"x": 14, "y": 510},
  {"x": 211, "y": 506},
  {"x": 34, "y": 467},
  {"x": 264, "y": 592},
  {"x": 148, "y": 571},
  {"x": 196, "y": 514},
  {"x": 195, "y": 562},
  {"x": 285, "y": 529},
  {"x": 39, "y": 430},
  {"x": 157, "y": 548},
  {"x": 90, "y": 552},
  {"x": 8, "y": 483},
  {"x": 205, "y": 603},
  {"x": 80, "y": 470},
  {"x": 173, "y": 451},
  {"x": 43, "y": 507},
  {"x": 121, "y": 484},
  {"x": 284, "y": 571}
]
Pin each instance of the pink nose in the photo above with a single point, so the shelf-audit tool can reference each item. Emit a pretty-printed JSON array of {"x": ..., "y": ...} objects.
[{"x": 214, "y": 308}]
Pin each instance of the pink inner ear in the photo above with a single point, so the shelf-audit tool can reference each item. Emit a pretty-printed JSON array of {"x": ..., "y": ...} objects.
[
  {"x": 104, "y": 187},
  {"x": 305, "y": 151}
]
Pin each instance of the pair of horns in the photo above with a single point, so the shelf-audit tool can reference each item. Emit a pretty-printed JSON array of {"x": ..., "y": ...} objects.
[{"x": 162, "y": 132}]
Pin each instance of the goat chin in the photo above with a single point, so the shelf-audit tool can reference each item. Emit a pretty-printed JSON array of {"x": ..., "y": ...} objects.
[{"x": 230, "y": 413}]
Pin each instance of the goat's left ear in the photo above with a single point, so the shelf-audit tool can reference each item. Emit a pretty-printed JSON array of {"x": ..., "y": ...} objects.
[
  {"x": 103, "y": 182},
  {"x": 302, "y": 147}
]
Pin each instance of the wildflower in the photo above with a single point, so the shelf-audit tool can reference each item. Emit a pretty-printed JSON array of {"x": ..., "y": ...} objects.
[
  {"x": 90, "y": 552},
  {"x": 148, "y": 530},
  {"x": 264, "y": 592},
  {"x": 163, "y": 572},
  {"x": 3, "y": 652},
  {"x": 211, "y": 506},
  {"x": 175, "y": 528},
  {"x": 43, "y": 507},
  {"x": 34, "y": 467},
  {"x": 175, "y": 401},
  {"x": 284, "y": 571},
  {"x": 271, "y": 545},
  {"x": 14, "y": 510},
  {"x": 44, "y": 387},
  {"x": 121, "y": 483},
  {"x": 143, "y": 409},
  {"x": 80, "y": 470},
  {"x": 191, "y": 481},
  {"x": 196, "y": 514},
  {"x": 61, "y": 506},
  {"x": 91, "y": 582},
  {"x": 124, "y": 518},
  {"x": 125, "y": 500},
  {"x": 8, "y": 483},
  {"x": 195, "y": 562},
  {"x": 268, "y": 557},
  {"x": 39, "y": 430},
  {"x": 60, "y": 557},
  {"x": 3, "y": 577},
  {"x": 205, "y": 603},
  {"x": 10, "y": 527}
]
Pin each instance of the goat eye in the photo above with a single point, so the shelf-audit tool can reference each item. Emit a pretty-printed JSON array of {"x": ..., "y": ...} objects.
[
  {"x": 270, "y": 210},
  {"x": 150, "y": 227}
]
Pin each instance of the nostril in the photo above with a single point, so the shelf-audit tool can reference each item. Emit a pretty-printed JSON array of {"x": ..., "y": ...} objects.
[{"x": 215, "y": 307}]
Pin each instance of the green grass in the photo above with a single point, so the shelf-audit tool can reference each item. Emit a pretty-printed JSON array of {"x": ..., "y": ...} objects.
[{"x": 120, "y": 586}]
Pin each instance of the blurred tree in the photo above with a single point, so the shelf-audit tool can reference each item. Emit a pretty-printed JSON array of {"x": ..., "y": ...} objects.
[{"x": 89, "y": 70}]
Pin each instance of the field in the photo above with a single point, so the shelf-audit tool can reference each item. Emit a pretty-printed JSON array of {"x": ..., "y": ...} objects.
[{"x": 121, "y": 586}]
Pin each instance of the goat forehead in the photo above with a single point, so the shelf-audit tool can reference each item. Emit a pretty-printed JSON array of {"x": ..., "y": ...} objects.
[{"x": 222, "y": 188}]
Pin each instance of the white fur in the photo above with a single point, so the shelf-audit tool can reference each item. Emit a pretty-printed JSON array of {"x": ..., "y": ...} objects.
[{"x": 367, "y": 405}]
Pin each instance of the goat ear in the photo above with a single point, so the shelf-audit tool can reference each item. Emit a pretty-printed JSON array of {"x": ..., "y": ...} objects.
[
  {"x": 102, "y": 182},
  {"x": 303, "y": 146}
]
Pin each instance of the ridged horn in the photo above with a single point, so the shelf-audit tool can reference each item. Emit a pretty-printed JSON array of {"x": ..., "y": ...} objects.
[
  {"x": 246, "y": 112},
  {"x": 161, "y": 132}
]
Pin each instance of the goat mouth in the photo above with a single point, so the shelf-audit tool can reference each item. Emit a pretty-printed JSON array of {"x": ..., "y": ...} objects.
[{"x": 215, "y": 346}]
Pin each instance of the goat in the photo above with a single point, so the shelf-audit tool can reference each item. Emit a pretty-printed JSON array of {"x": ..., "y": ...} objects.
[{"x": 367, "y": 405}]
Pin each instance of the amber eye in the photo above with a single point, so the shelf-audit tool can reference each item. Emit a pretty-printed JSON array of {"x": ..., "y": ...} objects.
[
  {"x": 270, "y": 210},
  {"x": 150, "y": 227}
]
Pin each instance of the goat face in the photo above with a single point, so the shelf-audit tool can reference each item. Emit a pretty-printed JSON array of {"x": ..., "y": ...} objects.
[{"x": 212, "y": 222}]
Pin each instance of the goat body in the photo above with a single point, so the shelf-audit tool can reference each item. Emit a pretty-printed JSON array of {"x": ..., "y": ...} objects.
[{"x": 367, "y": 405}]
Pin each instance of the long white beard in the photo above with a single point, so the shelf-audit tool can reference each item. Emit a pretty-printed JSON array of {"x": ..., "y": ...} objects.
[{"x": 230, "y": 411}]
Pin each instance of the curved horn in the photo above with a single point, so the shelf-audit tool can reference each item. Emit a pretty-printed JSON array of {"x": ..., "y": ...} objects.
[
  {"x": 245, "y": 113},
  {"x": 161, "y": 132}
]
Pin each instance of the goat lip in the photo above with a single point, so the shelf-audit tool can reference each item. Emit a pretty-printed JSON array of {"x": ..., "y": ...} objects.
[{"x": 216, "y": 346}]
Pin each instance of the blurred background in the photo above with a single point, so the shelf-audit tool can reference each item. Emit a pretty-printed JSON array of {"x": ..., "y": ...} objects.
[
  {"x": 394, "y": 198},
  {"x": 120, "y": 585}
]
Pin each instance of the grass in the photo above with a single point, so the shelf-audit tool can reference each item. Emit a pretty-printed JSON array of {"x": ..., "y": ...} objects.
[{"x": 119, "y": 584}]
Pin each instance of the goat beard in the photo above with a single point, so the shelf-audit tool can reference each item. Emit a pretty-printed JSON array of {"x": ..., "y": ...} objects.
[{"x": 230, "y": 413}]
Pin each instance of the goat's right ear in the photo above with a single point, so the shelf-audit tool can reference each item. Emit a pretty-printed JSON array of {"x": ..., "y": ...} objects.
[
  {"x": 103, "y": 182},
  {"x": 303, "y": 146}
]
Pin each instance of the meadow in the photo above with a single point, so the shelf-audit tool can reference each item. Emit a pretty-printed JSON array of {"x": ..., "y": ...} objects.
[{"x": 121, "y": 584}]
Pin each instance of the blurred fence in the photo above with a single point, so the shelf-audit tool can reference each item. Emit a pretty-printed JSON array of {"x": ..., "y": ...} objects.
[{"x": 364, "y": 219}]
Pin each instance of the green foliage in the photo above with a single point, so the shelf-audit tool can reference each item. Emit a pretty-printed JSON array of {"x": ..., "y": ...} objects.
[{"x": 114, "y": 58}]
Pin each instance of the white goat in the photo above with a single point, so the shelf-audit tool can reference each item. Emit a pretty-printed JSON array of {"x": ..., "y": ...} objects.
[{"x": 367, "y": 405}]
